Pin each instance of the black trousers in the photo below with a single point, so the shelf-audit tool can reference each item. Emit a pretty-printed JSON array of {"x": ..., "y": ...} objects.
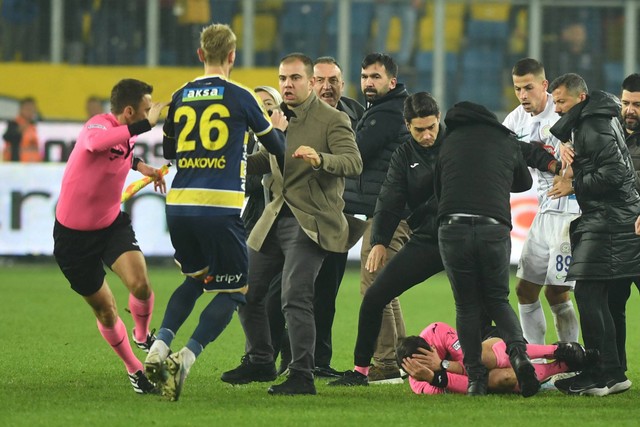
[
  {"x": 477, "y": 259},
  {"x": 596, "y": 323},
  {"x": 418, "y": 260},
  {"x": 326, "y": 289},
  {"x": 619, "y": 294}
]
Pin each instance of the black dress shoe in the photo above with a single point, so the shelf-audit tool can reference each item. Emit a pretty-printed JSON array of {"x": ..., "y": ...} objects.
[
  {"x": 295, "y": 384},
  {"x": 525, "y": 373},
  {"x": 477, "y": 387},
  {"x": 350, "y": 379},
  {"x": 249, "y": 372},
  {"x": 327, "y": 372}
]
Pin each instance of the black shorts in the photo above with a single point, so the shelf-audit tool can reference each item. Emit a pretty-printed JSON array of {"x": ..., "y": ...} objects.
[
  {"x": 214, "y": 246},
  {"x": 82, "y": 255}
]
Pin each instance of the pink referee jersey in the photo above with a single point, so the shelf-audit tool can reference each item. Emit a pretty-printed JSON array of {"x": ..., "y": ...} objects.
[
  {"x": 444, "y": 340},
  {"x": 95, "y": 174}
]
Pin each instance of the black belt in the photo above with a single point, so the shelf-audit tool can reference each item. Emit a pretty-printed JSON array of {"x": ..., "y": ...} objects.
[{"x": 469, "y": 220}]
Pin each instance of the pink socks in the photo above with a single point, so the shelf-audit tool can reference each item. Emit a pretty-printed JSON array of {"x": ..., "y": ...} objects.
[
  {"x": 119, "y": 341},
  {"x": 141, "y": 311},
  {"x": 545, "y": 371},
  {"x": 502, "y": 359},
  {"x": 535, "y": 351},
  {"x": 363, "y": 370}
]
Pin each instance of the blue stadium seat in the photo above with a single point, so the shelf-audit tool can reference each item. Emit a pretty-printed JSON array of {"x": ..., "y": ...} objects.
[
  {"x": 487, "y": 31},
  {"x": 265, "y": 32},
  {"x": 613, "y": 76},
  {"x": 223, "y": 11},
  {"x": 302, "y": 28},
  {"x": 424, "y": 67},
  {"x": 361, "y": 18},
  {"x": 489, "y": 93},
  {"x": 424, "y": 62},
  {"x": 482, "y": 64},
  {"x": 483, "y": 58}
]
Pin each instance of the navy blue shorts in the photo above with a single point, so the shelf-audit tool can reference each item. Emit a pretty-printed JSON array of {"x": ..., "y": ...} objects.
[
  {"x": 82, "y": 255},
  {"x": 212, "y": 246}
]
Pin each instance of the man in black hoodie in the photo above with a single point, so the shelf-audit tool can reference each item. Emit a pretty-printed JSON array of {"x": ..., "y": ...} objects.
[
  {"x": 604, "y": 247},
  {"x": 378, "y": 133},
  {"x": 480, "y": 163}
]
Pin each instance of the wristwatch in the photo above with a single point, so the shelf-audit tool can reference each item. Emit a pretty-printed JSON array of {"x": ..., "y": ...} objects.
[
  {"x": 558, "y": 167},
  {"x": 444, "y": 364},
  {"x": 134, "y": 165}
]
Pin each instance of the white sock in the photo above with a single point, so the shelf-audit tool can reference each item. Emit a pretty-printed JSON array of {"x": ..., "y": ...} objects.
[
  {"x": 564, "y": 317},
  {"x": 161, "y": 348},
  {"x": 533, "y": 322},
  {"x": 188, "y": 358}
]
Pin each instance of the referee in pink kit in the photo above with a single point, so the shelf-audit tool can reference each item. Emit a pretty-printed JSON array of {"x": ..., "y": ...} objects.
[{"x": 90, "y": 229}]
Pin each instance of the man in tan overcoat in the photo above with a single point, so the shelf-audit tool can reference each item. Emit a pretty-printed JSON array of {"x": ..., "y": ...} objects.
[{"x": 302, "y": 223}]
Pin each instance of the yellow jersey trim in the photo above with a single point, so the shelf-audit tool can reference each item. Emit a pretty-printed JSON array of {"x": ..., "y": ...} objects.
[{"x": 205, "y": 197}]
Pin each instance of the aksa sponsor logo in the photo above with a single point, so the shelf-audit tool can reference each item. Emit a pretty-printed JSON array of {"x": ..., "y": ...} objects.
[{"x": 189, "y": 95}]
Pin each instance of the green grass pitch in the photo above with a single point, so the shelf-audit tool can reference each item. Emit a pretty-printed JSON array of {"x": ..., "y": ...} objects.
[{"x": 57, "y": 371}]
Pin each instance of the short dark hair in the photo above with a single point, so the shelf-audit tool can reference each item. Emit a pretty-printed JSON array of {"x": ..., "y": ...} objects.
[
  {"x": 27, "y": 100},
  {"x": 631, "y": 83},
  {"x": 528, "y": 66},
  {"x": 420, "y": 104},
  {"x": 409, "y": 346},
  {"x": 298, "y": 56},
  {"x": 574, "y": 83},
  {"x": 327, "y": 60},
  {"x": 383, "y": 59},
  {"x": 128, "y": 92}
]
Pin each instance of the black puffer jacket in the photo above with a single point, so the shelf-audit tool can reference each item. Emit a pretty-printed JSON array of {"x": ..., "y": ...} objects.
[
  {"x": 633, "y": 144},
  {"x": 380, "y": 131},
  {"x": 409, "y": 182},
  {"x": 254, "y": 191},
  {"x": 604, "y": 245},
  {"x": 351, "y": 108}
]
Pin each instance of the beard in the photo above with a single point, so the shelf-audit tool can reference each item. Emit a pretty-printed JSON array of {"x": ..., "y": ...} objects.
[
  {"x": 632, "y": 123},
  {"x": 371, "y": 95}
]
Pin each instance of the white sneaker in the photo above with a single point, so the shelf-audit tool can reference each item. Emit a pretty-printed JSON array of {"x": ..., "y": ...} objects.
[{"x": 618, "y": 385}]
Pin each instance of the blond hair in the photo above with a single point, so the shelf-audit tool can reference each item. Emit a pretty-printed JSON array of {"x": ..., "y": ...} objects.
[{"x": 216, "y": 41}]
